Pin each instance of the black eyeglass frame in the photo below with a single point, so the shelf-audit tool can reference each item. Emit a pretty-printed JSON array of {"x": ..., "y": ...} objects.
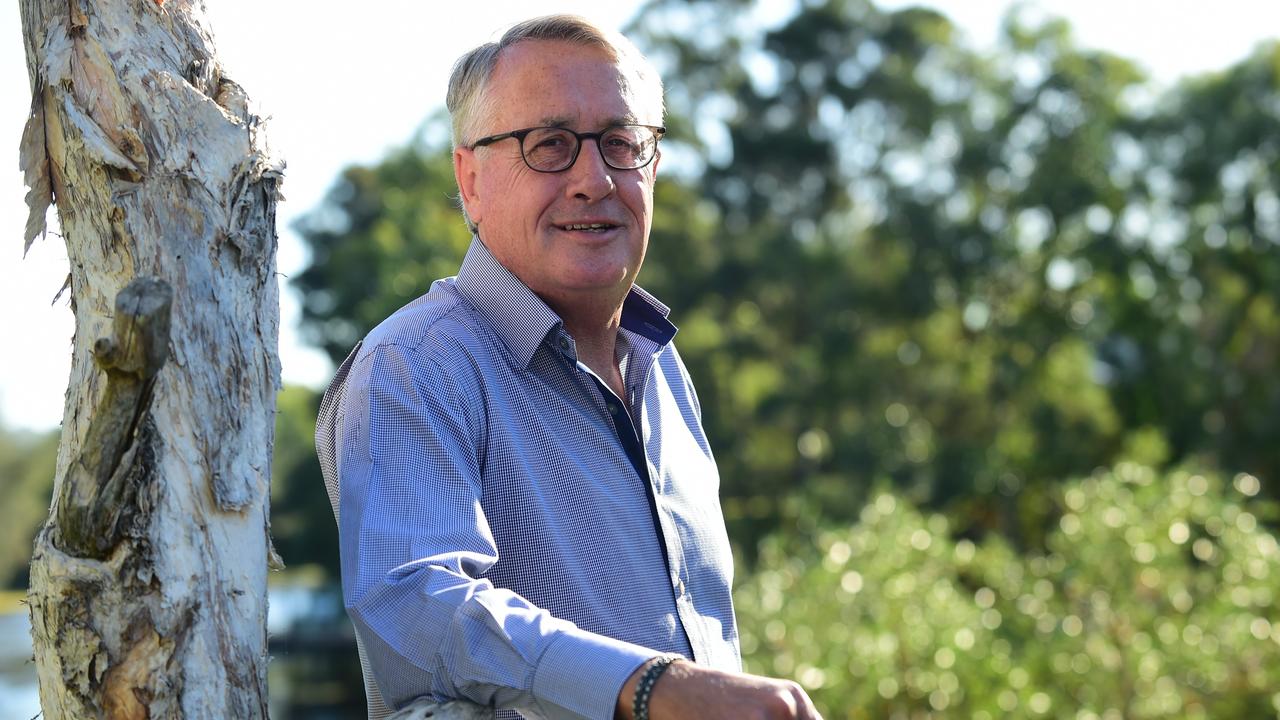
[{"x": 657, "y": 130}]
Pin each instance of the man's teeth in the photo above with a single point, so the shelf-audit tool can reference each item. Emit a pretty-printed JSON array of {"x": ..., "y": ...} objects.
[{"x": 589, "y": 226}]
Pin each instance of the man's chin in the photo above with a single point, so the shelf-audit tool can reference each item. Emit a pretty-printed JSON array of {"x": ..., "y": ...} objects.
[{"x": 613, "y": 281}]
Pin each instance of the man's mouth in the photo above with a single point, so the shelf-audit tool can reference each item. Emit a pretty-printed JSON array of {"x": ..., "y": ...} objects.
[{"x": 588, "y": 227}]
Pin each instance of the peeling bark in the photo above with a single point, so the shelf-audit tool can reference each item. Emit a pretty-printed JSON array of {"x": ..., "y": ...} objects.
[
  {"x": 148, "y": 583},
  {"x": 34, "y": 159}
]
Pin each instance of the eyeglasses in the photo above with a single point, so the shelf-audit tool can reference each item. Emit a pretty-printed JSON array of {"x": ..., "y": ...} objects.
[{"x": 555, "y": 149}]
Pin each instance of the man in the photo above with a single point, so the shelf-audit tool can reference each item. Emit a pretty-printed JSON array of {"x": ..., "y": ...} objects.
[{"x": 528, "y": 506}]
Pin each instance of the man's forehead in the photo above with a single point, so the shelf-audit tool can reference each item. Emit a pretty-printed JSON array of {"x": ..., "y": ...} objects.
[
  {"x": 557, "y": 83},
  {"x": 531, "y": 56}
]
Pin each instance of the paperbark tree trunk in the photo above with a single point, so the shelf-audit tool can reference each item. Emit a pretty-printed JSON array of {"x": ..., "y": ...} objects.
[{"x": 148, "y": 583}]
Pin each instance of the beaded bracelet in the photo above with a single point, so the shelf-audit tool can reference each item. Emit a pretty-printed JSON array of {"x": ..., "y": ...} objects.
[{"x": 644, "y": 689}]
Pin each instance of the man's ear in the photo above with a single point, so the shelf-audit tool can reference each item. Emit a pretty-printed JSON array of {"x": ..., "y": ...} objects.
[{"x": 464, "y": 172}]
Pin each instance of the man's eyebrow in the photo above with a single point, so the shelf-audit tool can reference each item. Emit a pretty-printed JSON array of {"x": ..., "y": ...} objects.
[{"x": 559, "y": 121}]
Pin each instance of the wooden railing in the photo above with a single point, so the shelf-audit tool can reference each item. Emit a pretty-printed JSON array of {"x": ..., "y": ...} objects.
[{"x": 455, "y": 710}]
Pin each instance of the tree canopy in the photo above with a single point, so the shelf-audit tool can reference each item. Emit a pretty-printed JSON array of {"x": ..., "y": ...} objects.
[{"x": 899, "y": 262}]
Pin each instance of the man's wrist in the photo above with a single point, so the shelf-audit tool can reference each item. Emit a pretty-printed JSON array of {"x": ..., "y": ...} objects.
[
  {"x": 653, "y": 670},
  {"x": 626, "y": 707}
]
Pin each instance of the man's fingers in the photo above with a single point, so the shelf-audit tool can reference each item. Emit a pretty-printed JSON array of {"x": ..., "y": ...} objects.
[{"x": 799, "y": 704}]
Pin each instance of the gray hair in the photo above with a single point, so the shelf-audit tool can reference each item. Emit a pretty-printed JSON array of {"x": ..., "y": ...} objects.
[{"x": 468, "y": 85}]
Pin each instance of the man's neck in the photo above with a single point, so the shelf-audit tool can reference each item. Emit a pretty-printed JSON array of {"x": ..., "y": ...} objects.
[
  {"x": 592, "y": 319},
  {"x": 595, "y": 336}
]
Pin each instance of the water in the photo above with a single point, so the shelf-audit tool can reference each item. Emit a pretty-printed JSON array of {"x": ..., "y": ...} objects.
[
  {"x": 19, "y": 697},
  {"x": 313, "y": 675}
]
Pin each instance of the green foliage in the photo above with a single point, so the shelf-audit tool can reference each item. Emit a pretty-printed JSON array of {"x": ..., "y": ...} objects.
[
  {"x": 970, "y": 276},
  {"x": 1156, "y": 598},
  {"x": 384, "y": 234},
  {"x": 896, "y": 260},
  {"x": 27, "y": 464}
]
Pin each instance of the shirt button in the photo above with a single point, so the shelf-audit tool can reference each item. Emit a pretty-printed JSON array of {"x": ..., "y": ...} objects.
[{"x": 680, "y": 588}]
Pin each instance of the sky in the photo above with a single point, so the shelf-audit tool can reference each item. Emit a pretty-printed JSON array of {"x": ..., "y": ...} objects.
[{"x": 346, "y": 82}]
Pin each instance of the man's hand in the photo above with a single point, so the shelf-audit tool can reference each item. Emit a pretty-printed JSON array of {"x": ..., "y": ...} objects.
[{"x": 687, "y": 690}]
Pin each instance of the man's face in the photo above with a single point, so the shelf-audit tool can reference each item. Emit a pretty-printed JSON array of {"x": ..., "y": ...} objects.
[{"x": 533, "y": 222}]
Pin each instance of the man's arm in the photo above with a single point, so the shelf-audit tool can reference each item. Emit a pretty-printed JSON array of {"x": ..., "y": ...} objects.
[
  {"x": 686, "y": 690},
  {"x": 415, "y": 543}
]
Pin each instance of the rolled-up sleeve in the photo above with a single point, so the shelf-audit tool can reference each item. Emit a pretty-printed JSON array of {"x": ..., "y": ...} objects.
[{"x": 415, "y": 547}]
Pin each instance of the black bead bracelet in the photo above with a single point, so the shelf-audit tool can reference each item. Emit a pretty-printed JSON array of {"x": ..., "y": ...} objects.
[{"x": 644, "y": 689}]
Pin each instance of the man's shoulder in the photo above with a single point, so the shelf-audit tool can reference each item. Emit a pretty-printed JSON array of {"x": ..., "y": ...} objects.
[
  {"x": 425, "y": 349},
  {"x": 437, "y": 325}
]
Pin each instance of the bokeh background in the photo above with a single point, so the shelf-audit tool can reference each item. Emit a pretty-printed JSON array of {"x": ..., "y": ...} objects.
[{"x": 985, "y": 322}]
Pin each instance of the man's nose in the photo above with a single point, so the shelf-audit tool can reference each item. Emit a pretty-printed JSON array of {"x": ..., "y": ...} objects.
[{"x": 589, "y": 177}]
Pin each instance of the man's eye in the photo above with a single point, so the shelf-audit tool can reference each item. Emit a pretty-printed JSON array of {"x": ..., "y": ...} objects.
[{"x": 551, "y": 142}]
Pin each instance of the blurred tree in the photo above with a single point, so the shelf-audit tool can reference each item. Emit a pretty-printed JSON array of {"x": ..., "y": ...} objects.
[
  {"x": 962, "y": 273},
  {"x": 383, "y": 235},
  {"x": 1202, "y": 363},
  {"x": 896, "y": 260},
  {"x": 302, "y": 524},
  {"x": 26, "y": 484}
]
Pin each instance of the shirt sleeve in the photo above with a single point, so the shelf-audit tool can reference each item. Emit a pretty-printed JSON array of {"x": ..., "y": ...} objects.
[{"x": 415, "y": 545}]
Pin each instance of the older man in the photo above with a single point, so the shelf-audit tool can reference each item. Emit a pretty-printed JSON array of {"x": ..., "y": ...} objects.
[{"x": 528, "y": 505}]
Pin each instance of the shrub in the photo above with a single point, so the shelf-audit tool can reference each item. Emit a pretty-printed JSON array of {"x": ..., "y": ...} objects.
[{"x": 1155, "y": 598}]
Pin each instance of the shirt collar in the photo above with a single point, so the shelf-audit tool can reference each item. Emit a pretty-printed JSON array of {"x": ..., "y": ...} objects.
[{"x": 522, "y": 320}]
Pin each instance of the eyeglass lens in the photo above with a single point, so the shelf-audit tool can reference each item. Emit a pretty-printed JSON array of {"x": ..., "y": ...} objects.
[{"x": 624, "y": 147}]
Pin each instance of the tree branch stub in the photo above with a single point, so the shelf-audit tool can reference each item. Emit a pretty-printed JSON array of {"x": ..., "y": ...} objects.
[{"x": 102, "y": 481}]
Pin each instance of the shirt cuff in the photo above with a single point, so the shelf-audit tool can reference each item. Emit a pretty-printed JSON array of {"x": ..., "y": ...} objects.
[{"x": 581, "y": 674}]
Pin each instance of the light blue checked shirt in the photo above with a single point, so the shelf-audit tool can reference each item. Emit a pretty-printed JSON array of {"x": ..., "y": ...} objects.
[{"x": 498, "y": 543}]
